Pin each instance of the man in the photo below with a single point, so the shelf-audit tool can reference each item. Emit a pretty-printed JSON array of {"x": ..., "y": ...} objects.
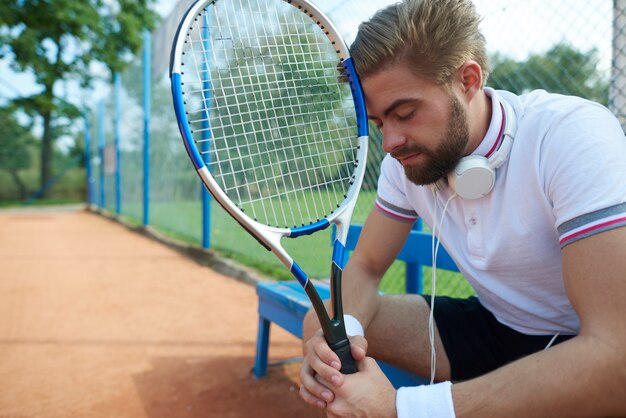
[{"x": 544, "y": 246}]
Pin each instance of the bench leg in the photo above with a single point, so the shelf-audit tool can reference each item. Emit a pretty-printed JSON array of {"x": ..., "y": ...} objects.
[{"x": 262, "y": 344}]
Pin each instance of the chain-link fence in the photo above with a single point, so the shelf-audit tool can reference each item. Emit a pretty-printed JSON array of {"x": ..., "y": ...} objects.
[
  {"x": 141, "y": 172},
  {"x": 617, "y": 88}
]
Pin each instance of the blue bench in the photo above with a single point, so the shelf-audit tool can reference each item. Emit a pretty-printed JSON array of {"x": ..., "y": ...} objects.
[{"x": 285, "y": 303}]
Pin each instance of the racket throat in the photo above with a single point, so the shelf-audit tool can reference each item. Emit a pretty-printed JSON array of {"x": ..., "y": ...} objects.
[
  {"x": 333, "y": 328},
  {"x": 336, "y": 299},
  {"x": 337, "y": 335}
]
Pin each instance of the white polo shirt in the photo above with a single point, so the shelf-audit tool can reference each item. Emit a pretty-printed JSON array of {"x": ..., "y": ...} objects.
[{"x": 564, "y": 179}]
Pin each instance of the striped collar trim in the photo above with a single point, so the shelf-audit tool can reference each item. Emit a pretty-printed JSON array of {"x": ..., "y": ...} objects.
[{"x": 493, "y": 137}]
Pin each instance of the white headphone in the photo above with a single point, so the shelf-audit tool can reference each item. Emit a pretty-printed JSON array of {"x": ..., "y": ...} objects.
[{"x": 474, "y": 176}]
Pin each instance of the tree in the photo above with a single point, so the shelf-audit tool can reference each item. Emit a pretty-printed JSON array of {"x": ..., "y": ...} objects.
[
  {"x": 59, "y": 40},
  {"x": 562, "y": 69},
  {"x": 15, "y": 141}
]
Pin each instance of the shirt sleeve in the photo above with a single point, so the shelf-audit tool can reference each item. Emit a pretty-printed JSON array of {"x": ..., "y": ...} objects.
[
  {"x": 584, "y": 167},
  {"x": 391, "y": 199}
]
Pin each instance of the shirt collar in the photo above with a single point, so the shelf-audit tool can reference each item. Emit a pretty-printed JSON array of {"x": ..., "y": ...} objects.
[{"x": 493, "y": 136}]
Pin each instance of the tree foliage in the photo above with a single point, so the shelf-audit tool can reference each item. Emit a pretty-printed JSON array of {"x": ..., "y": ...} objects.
[
  {"x": 562, "y": 69},
  {"x": 56, "y": 40},
  {"x": 15, "y": 141}
]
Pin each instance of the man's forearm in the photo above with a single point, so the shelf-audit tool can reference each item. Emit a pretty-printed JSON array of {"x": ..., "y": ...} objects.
[
  {"x": 361, "y": 297},
  {"x": 583, "y": 377}
]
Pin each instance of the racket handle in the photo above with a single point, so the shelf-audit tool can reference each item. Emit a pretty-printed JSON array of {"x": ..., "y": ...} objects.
[{"x": 342, "y": 349}]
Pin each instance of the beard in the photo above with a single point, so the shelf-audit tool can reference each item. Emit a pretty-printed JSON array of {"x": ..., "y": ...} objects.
[{"x": 441, "y": 161}]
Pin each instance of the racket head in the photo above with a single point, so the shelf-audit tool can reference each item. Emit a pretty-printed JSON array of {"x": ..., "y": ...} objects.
[{"x": 275, "y": 127}]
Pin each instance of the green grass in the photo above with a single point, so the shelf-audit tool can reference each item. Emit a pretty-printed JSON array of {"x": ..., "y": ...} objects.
[
  {"x": 182, "y": 220},
  {"x": 40, "y": 202}
]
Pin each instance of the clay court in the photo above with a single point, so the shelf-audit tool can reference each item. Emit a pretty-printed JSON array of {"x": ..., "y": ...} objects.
[{"x": 99, "y": 321}]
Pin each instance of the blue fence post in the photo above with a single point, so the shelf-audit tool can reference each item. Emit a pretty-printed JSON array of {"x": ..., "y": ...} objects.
[
  {"x": 101, "y": 151},
  {"x": 147, "y": 84},
  {"x": 206, "y": 136},
  {"x": 413, "y": 276},
  {"x": 88, "y": 173},
  {"x": 116, "y": 141}
]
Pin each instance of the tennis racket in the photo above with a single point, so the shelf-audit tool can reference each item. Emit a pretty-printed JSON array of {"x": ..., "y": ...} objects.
[{"x": 272, "y": 116}]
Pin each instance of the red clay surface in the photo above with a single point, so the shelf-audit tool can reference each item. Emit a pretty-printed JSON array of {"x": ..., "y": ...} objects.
[{"x": 98, "y": 321}]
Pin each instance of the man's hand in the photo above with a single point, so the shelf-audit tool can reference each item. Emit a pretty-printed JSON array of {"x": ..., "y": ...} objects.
[
  {"x": 364, "y": 394},
  {"x": 319, "y": 375}
]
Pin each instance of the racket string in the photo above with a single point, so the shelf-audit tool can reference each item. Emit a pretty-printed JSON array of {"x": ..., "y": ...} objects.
[
  {"x": 234, "y": 174},
  {"x": 271, "y": 141},
  {"x": 262, "y": 207},
  {"x": 286, "y": 158}
]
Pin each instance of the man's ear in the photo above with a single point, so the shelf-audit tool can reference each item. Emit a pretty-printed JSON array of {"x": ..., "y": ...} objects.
[{"x": 469, "y": 78}]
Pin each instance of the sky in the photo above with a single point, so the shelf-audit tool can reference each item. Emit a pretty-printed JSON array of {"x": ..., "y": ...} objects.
[
  {"x": 512, "y": 27},
  {"x": 516, "y": 27}
]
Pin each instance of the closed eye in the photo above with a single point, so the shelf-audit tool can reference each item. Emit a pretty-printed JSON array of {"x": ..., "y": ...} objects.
[{"x": 406, "y": 116}]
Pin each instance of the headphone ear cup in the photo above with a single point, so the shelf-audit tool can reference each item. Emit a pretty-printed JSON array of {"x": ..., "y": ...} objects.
[{"x": 473, "y": 177}]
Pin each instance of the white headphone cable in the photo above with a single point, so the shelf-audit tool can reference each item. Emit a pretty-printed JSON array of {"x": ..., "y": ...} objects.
[
  {"x": 552, "y": 340},
  {"x": 434, "y": 252}
]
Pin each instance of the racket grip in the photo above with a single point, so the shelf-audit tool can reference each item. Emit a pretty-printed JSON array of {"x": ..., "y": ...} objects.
[{"x": 342, "y": 349}]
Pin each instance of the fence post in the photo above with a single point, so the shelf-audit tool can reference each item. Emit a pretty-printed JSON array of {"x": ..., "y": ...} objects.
[
  {"x": 101, "y": 151},
  {"x": 617, "y": 89},
  {"x": 116, "y": 141},
  {"x": 147, "y": 83},
  {"x": 88, "y": 173},
  {"x": 413, "y": 276}
]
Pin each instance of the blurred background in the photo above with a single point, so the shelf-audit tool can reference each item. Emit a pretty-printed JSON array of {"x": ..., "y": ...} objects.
[{"x": 86, "y": 113}]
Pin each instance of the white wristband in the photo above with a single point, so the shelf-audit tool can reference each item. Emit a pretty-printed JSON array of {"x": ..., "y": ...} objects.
[
  {"x": 432, "y": 401},
  {"x": 353, "y": 326}
]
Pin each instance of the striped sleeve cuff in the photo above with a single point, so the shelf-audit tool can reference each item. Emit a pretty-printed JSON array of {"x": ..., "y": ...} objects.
[
  {"x": 395, "y": 212},
  {"x": 592, "y": 223}
]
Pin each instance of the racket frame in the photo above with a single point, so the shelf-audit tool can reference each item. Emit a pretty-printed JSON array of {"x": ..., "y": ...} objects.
[{"x": 268, "y": 236}]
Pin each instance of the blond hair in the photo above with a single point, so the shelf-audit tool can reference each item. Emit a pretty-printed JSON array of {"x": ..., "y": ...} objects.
[{"x": 433, "y": 37}]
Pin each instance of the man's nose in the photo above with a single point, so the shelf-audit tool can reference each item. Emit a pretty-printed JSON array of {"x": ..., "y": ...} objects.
[{"x": 392, "y": 138}]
